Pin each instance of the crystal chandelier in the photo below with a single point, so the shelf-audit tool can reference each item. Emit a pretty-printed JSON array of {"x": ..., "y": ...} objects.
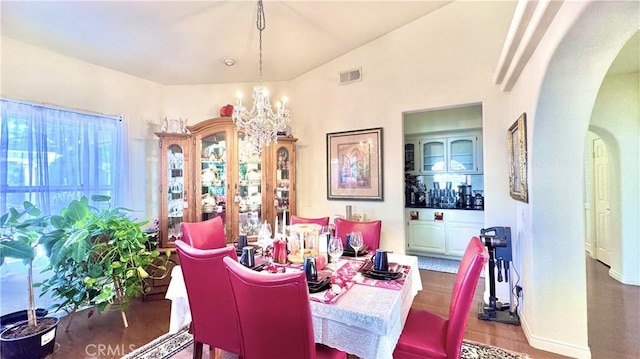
[{"x": 261, "y": 124}]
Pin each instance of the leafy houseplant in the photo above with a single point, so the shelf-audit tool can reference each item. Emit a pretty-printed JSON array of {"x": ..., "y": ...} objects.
[
  {"x": 22, "y": 231},
  {"x": 98, "y": 257}
]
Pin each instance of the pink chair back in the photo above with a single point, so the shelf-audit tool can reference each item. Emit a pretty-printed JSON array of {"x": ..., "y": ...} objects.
[
  {"x": 370, "y": 231},
  {"x": 274, "y": 313},
  {"x": 213, "y": 309},
  {"x": 323, "y": 221},
  {"x": 471, "y": 265},
  {"x": 207, "y": 234}
]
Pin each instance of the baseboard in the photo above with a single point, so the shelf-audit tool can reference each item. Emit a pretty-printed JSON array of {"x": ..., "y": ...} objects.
[
  {"x": 554, "y": 346},
  {"x": 622, "y": 279}
]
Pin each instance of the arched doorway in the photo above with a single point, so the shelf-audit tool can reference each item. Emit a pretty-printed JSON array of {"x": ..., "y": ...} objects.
[{"x": 570, "y": 85}]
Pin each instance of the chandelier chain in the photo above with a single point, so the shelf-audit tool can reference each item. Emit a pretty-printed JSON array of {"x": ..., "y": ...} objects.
[{"x": 261, "y": 24}]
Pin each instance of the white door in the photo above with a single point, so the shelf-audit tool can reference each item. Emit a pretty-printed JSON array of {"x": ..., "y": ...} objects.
[{"x": 601, "y": 200}]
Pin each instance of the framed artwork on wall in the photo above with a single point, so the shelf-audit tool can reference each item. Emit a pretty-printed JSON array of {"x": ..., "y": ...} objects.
[
  {"x": 517, "y": 149},
  {"x": 354, "y": 165}
]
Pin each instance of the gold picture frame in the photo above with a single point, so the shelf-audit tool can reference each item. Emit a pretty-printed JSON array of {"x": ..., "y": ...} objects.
[
  {"x": 517, "y": 149},
  {"x": 354, "y": 165}
]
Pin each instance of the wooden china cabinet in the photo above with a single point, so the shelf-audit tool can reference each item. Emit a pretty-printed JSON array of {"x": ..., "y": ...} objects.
[
  {"x": 175, "y": 175},
  {"x": 223, "y": 177}
]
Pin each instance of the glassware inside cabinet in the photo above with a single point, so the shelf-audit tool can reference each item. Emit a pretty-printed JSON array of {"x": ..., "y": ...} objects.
[
  {"x": 175, "y": 197},
  {"x": 213, "y": 177},
  {"x": 249, "y": 191},
  {"x": 283, "y": 186}
]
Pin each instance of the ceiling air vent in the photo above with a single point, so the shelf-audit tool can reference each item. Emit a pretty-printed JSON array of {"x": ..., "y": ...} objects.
[{"x": 349, "y": 76}]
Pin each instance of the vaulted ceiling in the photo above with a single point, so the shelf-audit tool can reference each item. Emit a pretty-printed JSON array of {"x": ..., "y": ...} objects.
[{"x": 184, "y": 42}]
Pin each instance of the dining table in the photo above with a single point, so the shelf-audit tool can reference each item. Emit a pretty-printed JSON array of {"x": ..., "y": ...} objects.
[{"x": 358, "y": 314}]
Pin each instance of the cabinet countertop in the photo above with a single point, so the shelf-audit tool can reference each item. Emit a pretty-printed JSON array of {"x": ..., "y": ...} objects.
[{"x": 451, "y": 209}]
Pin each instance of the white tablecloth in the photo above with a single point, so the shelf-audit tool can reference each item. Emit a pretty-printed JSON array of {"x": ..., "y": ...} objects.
[{"x": 366, "y": 321}]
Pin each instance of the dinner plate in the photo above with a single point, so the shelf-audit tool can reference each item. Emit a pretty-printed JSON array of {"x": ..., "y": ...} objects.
[
  {"x": 395, "y": 271},
  {"x": 382, "y": 276},
  {"x": 319, "y": 285}
]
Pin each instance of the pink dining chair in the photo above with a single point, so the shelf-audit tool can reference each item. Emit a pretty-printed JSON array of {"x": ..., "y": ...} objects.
[
  {"x": 207, "y": 234},
  {"x": 428, "y": 335},
  {"x": 370, "y": 231},
  {"x": 214, "y": 318},
  {"x": 323, "y": 221},
  {"x": 279, "y": 325}
]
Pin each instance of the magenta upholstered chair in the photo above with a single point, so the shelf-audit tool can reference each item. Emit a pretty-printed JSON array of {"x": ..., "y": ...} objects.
[
  {"x": 323, "y": 221},
  {"x": 428, "y": 335},
  {"x": 281, "y": 325},
  {"x": 370, "y": 231},
  {"x": 207, "y": 234},
  {"x": 214, "y": 317}
]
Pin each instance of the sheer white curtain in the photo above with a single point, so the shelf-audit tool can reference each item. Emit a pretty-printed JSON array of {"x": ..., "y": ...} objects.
[{"x": 51, "y": 156}]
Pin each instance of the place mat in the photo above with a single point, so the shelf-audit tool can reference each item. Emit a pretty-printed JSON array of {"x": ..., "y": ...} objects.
[
  {"x": 395, "y": 284},
  {"x": 341, "y": 282}
]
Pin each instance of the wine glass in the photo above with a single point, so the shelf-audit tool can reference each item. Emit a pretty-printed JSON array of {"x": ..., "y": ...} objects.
[
  {"x": 264, "y": 236},
  {"x": 356, "y": 242},
  {"x": 335, "y": 250}
]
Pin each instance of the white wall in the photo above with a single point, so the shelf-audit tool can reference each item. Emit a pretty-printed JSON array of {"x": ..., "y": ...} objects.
[
  {"x": 444, "y": 59},
  {"x": 430, "y": 121},
  {"x": 557, "y": 90},
  {"x": 201, "y": 102}
]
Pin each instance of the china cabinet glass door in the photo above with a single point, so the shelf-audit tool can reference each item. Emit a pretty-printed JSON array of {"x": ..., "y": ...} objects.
[
  {"x": 283, "y": 185},
  {"x": 249, "y": 190},
  {"x": 461, "y": 155},
  {"x": 433, "y": 156},
  {"x": 214, "y": 176},
  {"x": 176, "y": 192}
]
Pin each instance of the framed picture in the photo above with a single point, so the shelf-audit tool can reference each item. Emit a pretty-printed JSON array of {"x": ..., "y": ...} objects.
[
  {"x": 517, "y": 147},
  {"x": 354, "y": 165}
]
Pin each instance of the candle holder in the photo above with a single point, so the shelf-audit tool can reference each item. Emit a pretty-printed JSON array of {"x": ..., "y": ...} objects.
[{"x": 303, "y": 241}]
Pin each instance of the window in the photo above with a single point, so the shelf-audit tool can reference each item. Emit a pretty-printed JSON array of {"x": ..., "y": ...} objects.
[{"x": 50, "y": 156}]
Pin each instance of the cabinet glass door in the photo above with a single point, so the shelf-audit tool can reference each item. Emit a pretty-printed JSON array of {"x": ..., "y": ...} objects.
[
  {"x": 283, "y": 186},
  {"x": 433, "y": 156},
  {"x": 249, "y": 188},
  {"x": 175, "y": 197},
  {"x": 214, "y": 176},
  {"x": 461, "y": 155},
  {"x": 409, "y": 157}
]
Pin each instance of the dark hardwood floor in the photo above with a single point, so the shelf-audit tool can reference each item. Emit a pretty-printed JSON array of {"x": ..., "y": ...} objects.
[
  {"x": 614, "y": 315},
  {"x": 614, "y": 322}
]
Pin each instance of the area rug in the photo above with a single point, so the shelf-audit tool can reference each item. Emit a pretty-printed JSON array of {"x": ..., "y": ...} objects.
[
  {"x": 440, "y": 264},
  {"x": 169, "y": 345}
]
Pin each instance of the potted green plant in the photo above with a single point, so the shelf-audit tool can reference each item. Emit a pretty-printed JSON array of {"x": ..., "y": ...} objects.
[
  {"x": 99, "y": 257},
  {"x": 22, "y": 232}
]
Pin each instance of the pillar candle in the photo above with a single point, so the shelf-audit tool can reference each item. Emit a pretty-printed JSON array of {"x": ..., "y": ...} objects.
[{"x": 284, "y": 222}]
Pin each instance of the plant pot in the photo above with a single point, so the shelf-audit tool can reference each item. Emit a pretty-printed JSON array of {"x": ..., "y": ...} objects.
[
  {"x": 31, "y": 346},
  {"x": 9, "y": 320}
]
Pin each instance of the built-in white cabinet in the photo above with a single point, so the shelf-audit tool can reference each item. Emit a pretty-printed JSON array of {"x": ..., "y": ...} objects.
[
  {"x": 427, "y": 236},
  {"x": 441, "y": 232},
  {"x": 456, "y": 152}
]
